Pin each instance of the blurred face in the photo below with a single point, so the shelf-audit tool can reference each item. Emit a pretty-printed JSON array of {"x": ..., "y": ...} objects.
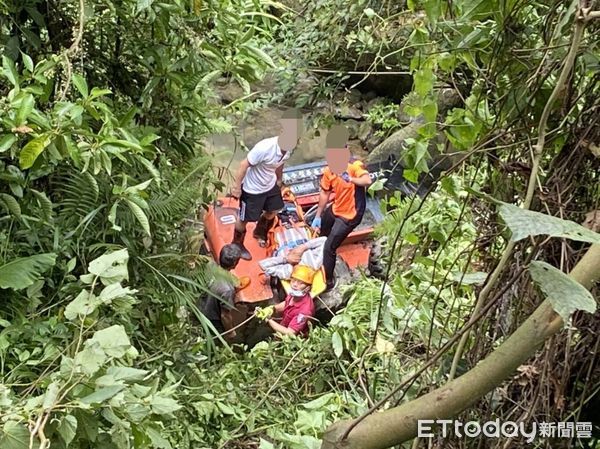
[
  {"x": 299, "y": 285},
  {"x": 337, "y": 159},
  {"x": 290, "y": 134}
]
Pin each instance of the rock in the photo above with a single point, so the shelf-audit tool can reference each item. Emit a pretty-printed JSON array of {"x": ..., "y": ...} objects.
[
  {"x": 228, "y": 91},
  {"x": 357, "y": 149},
  {"x": 345, "y": 112},
  {"x": 354, "y": 96},
  {"x": 448, "y": 99},
  {"x": 353, "y": 127},
  {"x": 364, "y": 132},
  {"x": 392, "y": 146},
  {"x": 370, "y": 95},
  {"x": 373, "y": 141}
]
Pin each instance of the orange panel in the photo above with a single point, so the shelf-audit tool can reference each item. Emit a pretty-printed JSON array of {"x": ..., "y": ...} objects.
[
  {"x": 355, "y": 254},
  {"x": 219, "y": 223}
]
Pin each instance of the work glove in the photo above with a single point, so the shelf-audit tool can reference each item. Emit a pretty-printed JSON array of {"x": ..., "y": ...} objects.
[
  {"x": 316, "y": 223},
  {"x": 345, "y": 176},
  {"x": 264, "y": 313}
]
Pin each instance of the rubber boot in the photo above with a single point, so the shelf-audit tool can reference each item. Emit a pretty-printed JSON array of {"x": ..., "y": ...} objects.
[
  {"x": 238, "y": 239},
  {"x": 262, "y": 229}
]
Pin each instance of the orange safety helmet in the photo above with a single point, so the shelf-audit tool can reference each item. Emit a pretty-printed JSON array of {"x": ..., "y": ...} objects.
[{"x": 304, "y": 274}]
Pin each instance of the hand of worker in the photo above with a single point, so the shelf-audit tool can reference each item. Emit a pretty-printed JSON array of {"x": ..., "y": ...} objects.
[
  {"x": 316, "y": 223},
  {"x": 264, "y": 313},
  {"x": 345, "y": 176},
  {"x": 236, "y": 192}
]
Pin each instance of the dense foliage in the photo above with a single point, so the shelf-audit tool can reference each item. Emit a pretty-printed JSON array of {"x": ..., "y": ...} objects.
[{"x": 103, "y": 108}]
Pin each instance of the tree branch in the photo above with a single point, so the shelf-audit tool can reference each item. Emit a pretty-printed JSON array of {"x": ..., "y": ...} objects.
[{"x": 400, "y": 424}]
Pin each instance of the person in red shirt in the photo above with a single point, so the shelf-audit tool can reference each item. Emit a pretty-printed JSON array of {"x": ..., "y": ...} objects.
[
  {"x": 298, "y": 307},
  {"x": 348, "y": 179}
]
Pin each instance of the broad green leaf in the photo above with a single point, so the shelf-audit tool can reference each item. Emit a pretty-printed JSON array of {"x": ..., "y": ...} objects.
[
  {"x": 68, "y": 429},
  {"x": 162, "y": 405},
  {"x": 158, "y": 441},
  {"x": 82, "y": 306},
  {"x": 27, "y": 62},
  {"x": 111, "y": 267},
  {"x": 424, "y": 79},
  {"x": 32, "y": 150},
  {"x": 112, "y": 340},
  {"x": 476, "y": 278},
  {"x": 565, "y": 293},
  {"x": 141, "y": 5},
  {"x": 24, "y": 109},
  {"x": 525, "y": 223},
  {"x": 264, "y": 444},
  {"x": 411, "y": 175},
  {"x": 140, "y": 215},
  {"x": 96, "y": 92},
  {"x": 51, "y": 395},
  {"x": 338, "y": 345},
  {"x": 81, "y": 84},
  {"x": 102, "y": 394},
  {"x": 320, "y": 402},
  {"x": 11, "y": 204},
  {"x": 6, "y": 142},
  {"x": 10, "y": 71},
  {"x": 114, "y": 291},
  {"x": 22, "y": 272},
  {"x": 90, "y": 359},
  {"x": 14, "y": 435},
  {"x": 126, "y": 373}
]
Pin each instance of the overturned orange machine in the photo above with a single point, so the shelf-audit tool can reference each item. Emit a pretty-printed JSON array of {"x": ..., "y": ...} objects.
[{"x": 301, "y": 196}]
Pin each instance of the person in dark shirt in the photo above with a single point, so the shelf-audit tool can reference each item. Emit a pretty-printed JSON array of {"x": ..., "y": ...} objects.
[{"x": 219, "y": 302}]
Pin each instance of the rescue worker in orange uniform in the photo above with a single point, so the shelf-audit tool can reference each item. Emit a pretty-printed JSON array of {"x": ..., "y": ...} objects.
[{"x": 348, "y": 179}]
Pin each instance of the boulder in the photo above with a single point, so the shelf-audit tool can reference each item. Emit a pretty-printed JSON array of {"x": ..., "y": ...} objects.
[{"x": 346, "y": 112}]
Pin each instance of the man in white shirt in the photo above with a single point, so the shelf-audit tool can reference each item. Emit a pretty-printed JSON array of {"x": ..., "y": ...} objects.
[{"x": 258, "y": 181}]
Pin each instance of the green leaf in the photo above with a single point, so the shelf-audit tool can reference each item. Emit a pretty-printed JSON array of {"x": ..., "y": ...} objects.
[
  {"x": 140, "y": 215},
  {"x": 81, "y": 84},
  {"x": 22, "y": 272},
  {"x": 10, "y": 71},
  {"x": 6, "y": 142},
  {"x": 477, "y": 278},
  {"x": 141, "y": 5},
  {"x": 112, "y": 340},
  {"x": 525, "y": 223},
  {"x": 126, "y": 373},
  {"x": 163, "y": 406},
  {"x": 14, "y": 435},
  {"x": 102, "y": 394},
  {"x": 157, "y": 439},
  {"x": 11, "y": 204},
  {"x": 32, "y": 150},
  {"x": 45, "y": 204},
  {"x": 84, "y": 304},
  {"x": 90, "y": 359},
  {"x": 24, "y": 109},
  {"x": 51, "y": 395},
  {"x": 411, "y": 175},
  {"x": 565, "y": 293},
  {"x": 68, "y": 429},
  {"x": 338, "y": 345},
  {"x": 114, "y": 291},
  {"x": 260, "y": 55},
  {"x": 423, "y": 80},
  {"x": 111, "y": 267}
]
